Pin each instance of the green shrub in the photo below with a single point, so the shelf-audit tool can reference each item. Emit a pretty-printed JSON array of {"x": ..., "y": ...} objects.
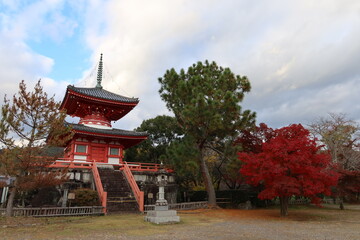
[{"x": 85, "y": 197}]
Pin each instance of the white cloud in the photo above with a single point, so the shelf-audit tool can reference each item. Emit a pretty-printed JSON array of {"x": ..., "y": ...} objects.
[
  {"x": 300, "y": 56},
  {"x": 37, "y": 19},
  {"x": 18, "y": 63},
  {"x": 306, "y": 106},
  {"x": 21, "y": 22},
  {"x": 292, "y": 52}
]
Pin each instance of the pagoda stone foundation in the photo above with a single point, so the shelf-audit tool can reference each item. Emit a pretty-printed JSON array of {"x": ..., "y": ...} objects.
[{"x": 120, "y": 196}]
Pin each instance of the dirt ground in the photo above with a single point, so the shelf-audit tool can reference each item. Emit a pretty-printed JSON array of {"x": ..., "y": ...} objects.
[
  {"x": 267, "y": 224},
  {"x": 261, "y": 224}
]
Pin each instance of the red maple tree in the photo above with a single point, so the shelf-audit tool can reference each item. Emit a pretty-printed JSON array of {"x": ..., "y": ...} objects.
[
  {"x": 348, "y": 185},
  {"x": 251, "y": 140},
  {"x": 290, "y": 164},
  {"x": 248, "y": 140}
]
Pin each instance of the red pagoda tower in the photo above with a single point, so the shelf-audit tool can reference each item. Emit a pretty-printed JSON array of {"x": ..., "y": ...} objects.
[
  {"x": 94, "y": 156},
  {"x": 95, "y": 140}
]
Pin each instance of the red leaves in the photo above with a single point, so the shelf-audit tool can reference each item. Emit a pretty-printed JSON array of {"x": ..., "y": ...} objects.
[
  {"x": 251, "y": 140},
  {"x": 289, "y": 164},
  {"x": 349, "y": 183}
]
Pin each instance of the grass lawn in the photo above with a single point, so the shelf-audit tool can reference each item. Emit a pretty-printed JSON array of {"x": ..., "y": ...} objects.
[
  {"x": 132, "y": 226},
  {"x": 81, "y": 227}
]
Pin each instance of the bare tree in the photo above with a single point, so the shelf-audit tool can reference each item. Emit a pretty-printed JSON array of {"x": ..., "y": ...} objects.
[{"x": 341, "y": 137}]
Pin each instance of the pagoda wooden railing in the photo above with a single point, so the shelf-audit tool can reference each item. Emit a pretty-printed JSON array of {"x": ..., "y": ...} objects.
[
  {"x": 139, "y": 195},
  {"x": 133, "y": 166},
  {"x": 70, "y": 163},
  {"x": 146, "y": 167},
  {"x": 99, "y": 187}
]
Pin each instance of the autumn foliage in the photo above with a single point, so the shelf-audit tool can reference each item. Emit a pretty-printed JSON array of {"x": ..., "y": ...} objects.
[
  {"x": 289, "y": 164},
  {"x": 348, "y": 184},
  {"x": 251, "y": 140}
]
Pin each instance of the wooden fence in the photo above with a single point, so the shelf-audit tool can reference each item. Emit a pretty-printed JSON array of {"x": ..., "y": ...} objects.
[
  {"x": 180, "y": 206},
  {"x": 308, "y": 201},
  {"x": 55, "y": 211},
  {"x": 295, "y": 201}
]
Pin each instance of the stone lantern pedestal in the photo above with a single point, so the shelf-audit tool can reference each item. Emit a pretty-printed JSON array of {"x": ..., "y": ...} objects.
[{"x": 162, "y": 214}]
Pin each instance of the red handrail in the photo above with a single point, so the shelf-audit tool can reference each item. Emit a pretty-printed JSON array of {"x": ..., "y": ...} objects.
[
  {"x": 99, "y": 187},
  {"x": 70, "y": 163},
  {"x": 133, "y": 166},
  {"x": 146, "y": 167},
  {"x": 139, "y": 195}
]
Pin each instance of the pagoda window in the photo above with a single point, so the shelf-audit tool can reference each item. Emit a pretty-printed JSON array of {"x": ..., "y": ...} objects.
[
  {"x": 80, "y": 148},
  {"x": 114, "y": 151}
]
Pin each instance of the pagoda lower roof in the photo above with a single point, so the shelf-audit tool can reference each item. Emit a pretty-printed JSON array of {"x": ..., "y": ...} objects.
[
  {"x": 100, "y": 93},
  {"x": 111, "y": 131},
  {"x": 127, "y": 138}
]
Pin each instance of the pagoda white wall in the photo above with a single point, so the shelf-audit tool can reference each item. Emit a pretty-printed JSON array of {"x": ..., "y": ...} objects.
[
  {"x": 112, "y": 160},
  {"x": 80, "y": 157}
]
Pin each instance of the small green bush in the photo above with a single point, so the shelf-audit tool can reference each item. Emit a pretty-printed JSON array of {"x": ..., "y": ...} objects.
[{"x": 85, "y": 197}]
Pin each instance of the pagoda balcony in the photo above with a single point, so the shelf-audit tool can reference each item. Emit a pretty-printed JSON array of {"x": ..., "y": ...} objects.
[{"x": 133, "y": 166}]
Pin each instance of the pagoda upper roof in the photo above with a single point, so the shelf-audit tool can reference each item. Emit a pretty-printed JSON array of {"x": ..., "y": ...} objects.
[
  {"x": 127, "y": 138},
  {"x": 101, "y": 93},
  {"x": 82, "y": 101}
]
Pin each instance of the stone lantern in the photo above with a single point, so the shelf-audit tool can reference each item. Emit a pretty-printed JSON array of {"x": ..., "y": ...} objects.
[
  {"x": 162, "y": 214},
  {"x": 161, "y": 203}
]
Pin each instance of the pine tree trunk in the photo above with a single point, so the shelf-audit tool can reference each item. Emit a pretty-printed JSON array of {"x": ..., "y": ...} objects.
[
  {"x": 207, "y": 181},
  {"x": 284, "y": 203},
  {"x": 10, "y": 202},
  {"x": 342, "y": 203}
]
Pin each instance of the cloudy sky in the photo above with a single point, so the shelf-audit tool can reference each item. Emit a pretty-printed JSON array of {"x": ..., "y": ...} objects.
[{"x": 301, "y": 56}]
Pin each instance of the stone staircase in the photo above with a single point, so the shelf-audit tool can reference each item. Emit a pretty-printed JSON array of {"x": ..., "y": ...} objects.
[{"x": 120, "y": 197}]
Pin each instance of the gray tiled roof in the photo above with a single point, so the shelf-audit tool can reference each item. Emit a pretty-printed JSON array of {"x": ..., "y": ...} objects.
[
  {"x": 113, "y": 131},
  {"x": 103, "y": 94}
]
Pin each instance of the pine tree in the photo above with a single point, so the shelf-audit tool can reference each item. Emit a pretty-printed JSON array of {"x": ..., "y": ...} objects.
[
  {"x": 31, "y": 124},
  {"x": 206, "y": 103}
]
